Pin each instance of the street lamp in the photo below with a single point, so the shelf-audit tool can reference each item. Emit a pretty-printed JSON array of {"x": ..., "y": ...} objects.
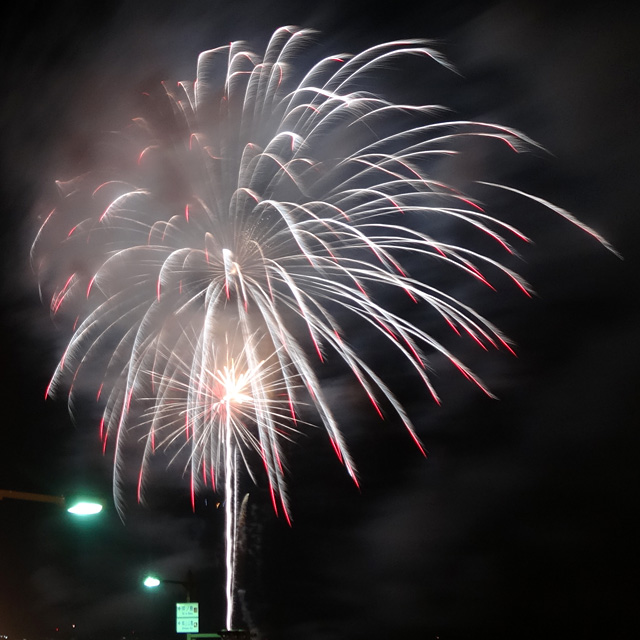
[
  {"x": 151, "y": 582},
  {"x": 187, "y": 613},
  {"x": 77, "y": 507},
  {"x": 83, "y": 506}
]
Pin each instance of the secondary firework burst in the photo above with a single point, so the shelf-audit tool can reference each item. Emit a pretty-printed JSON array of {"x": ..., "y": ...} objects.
[{"x": 257, "y": 213}]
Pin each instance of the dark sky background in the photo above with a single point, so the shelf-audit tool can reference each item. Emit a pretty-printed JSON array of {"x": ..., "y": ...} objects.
[{"x": 521, "y": 523}]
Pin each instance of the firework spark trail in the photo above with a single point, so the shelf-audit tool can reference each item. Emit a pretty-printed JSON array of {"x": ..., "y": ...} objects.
[{"x": 208, "y": 281}]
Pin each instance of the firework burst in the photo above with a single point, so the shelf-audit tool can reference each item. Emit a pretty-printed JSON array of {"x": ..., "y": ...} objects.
[{"x": 266, "y": 209}]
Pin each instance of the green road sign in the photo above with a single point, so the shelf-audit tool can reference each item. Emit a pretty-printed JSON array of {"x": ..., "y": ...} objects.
[{"x": 187, "y": 620}]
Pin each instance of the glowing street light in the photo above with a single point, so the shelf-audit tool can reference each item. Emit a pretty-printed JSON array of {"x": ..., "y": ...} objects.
[
  {"x": 85, "y": 508},
  {"x": 151, "y": 582},
  {"x": 78, "y": 507}
]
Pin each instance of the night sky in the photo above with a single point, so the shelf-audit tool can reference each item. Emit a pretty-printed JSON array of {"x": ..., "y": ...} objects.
[{"x": 521, "y": 521}]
